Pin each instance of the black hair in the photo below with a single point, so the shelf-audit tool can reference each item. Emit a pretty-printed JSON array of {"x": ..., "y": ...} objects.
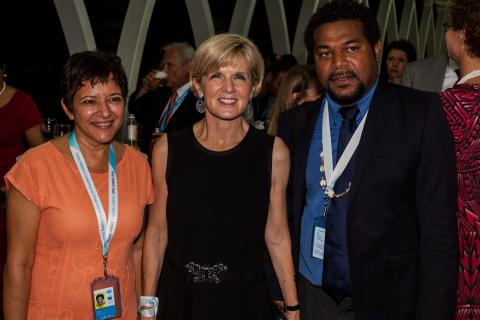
[
  {"x": 283, "y": 64},
  {"x": 340, "y": 10},
  {"x": 100, "y": 295},
  {"x": 93, "y": 66},
  {"x": 403, "y": 45},
  {"x": 465, "y": 14}
]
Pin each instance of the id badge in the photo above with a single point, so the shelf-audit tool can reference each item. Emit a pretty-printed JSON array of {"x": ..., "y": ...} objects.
[
  {"x": 318, "y": 245},
  {"x": 107, "y": 302}
]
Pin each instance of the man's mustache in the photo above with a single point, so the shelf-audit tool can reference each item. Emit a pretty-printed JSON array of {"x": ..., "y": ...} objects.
[{"x": 342, "y": 74}]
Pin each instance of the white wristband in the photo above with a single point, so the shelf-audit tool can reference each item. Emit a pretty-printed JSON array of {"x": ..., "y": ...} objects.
[{"x": 151, "y": 303}]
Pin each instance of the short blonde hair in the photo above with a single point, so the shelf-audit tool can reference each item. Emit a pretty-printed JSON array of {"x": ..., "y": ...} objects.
[{"x": 221, "y": 50}]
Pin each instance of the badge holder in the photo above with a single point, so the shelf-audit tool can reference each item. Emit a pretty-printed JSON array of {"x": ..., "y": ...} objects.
[
  {"x": 107, "y": 301},
  {"x": 319, "y": 231}
]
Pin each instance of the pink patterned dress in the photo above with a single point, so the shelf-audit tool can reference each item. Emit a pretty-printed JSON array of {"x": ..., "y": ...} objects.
[{"x": 461, "y": 104}]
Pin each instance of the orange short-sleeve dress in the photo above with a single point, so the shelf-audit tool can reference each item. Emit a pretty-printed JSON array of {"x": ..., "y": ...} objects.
[{"x": 68, "y": 249}]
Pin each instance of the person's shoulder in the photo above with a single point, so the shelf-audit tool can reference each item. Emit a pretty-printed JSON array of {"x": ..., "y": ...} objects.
[
  {"x": 41, "y": 156},
  {"x": 416, "y": 103},
  {"x": 43, "y": 151},
  {"x": 408, "y": 92},
  {"x": 182, "y": 134},
  {"x": 19, "y": 94},
  {"x": 132, "y": 154},
  {"x": 21, "y": 98},
  {"x": 302, "y": 110},
  {"x": 465, "y": 91},
  {"x": 427, "y": 63},
  {"x": 261, "y": 135}
]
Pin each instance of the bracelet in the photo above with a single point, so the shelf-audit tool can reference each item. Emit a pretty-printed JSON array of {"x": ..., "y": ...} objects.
[
  {"x": 149, "y": 302},
  {"x": 293, "y": 308}
]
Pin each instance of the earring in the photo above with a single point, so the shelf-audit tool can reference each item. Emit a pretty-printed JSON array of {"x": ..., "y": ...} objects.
[
  {"x": 248, "y": 113},
  {"x": 200, "y": 105}
]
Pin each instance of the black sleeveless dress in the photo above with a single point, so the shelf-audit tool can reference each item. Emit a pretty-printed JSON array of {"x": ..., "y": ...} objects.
[{"x": 217, "y": 210}]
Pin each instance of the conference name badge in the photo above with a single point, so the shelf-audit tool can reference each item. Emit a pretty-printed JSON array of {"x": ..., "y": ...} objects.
[
  {"x": 318, "y": 245},
  {"x": 106, "y": 298}
]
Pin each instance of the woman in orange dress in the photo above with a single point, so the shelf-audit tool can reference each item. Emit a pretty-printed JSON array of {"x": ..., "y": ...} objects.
[{"x": 56, "y": 249}]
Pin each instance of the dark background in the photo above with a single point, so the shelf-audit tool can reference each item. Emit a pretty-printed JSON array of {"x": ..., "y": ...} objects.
[{"x": 35, "y": 47}]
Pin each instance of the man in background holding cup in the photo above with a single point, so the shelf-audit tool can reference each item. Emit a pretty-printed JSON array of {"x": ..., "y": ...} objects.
[{"x": 165, "y": 102}]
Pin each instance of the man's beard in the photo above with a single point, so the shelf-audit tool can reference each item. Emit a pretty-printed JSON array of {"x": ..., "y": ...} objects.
[{"x": 349, "y": 99}]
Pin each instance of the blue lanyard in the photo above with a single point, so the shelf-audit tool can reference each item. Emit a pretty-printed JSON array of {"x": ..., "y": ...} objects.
[
  {"x": 105, "y": 228},
  {"x": 178, "y": 102}
]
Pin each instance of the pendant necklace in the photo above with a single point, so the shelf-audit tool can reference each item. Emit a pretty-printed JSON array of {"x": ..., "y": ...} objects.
[{"x": 472, "y": 74}]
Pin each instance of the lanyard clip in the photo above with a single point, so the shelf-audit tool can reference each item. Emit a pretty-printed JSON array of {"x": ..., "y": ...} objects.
[
  {"x": 105, "y": 259},
  {"x": 326, "y": 201}
]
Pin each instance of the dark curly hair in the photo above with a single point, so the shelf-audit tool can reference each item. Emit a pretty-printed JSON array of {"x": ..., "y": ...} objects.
[
  {"x": 402, "y": 45},
  {"x": 339, "y": 10},
  {"x": 465, "y": 14},
  {"x": 93, "y": 66}
]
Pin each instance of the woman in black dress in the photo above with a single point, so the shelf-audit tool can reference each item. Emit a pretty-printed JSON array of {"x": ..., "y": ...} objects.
[{"x": 220, "y": 185}]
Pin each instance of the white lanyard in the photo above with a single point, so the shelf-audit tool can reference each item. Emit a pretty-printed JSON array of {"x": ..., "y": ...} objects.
[
  {"x": 330, "y": 174},
  {"x": 106, "y": 229}
]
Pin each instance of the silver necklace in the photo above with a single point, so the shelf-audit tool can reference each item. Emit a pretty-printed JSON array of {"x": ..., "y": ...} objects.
[
  {"x": 3, "y": 88},
  {"x": 472, "y": 74}
]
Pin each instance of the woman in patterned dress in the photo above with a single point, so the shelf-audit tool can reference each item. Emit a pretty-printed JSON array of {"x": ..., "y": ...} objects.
[{"x": 461, "y": 104}]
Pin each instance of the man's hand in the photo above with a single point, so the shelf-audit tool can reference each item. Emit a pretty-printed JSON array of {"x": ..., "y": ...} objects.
[{"x": 149, "y": 82}]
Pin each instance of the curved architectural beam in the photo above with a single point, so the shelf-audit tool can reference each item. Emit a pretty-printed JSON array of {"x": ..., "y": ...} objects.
[
  {"x": 408, "y": 23},
  {"x": 242, "y": 17},
  {"x": 387, "y": 19},
  {"x": 427, "y": 31},
  {"x": 278, "y": 26},
  {"x": 76, "y": 25},
  {"x": 132, "y": 38},
  {"x": 307, "y": 9},
  {"x": 201, "y": 20},
  {"x": 442, "y": 16}
]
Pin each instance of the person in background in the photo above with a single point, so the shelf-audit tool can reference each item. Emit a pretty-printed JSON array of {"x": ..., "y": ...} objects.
[
  {"x": 461, "y": 104},
  {"x": 372, "y": 189},
  {"x": 299, "y": 85},
  {"x": 21, "y": 125},
  {"x": 434, "y": 74},
  {"x": 396, "y": 56},
  {"x": 264, "y": 104},
  {"x": 58, "y": 199},
  {"x": 234, "y": 177},
  {"x": 165, "y": 99}
]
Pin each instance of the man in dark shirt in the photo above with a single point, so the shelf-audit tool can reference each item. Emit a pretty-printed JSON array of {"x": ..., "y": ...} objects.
[
  {"x": 372, "y": 190},
  {"x": 165, "y": 99}
]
